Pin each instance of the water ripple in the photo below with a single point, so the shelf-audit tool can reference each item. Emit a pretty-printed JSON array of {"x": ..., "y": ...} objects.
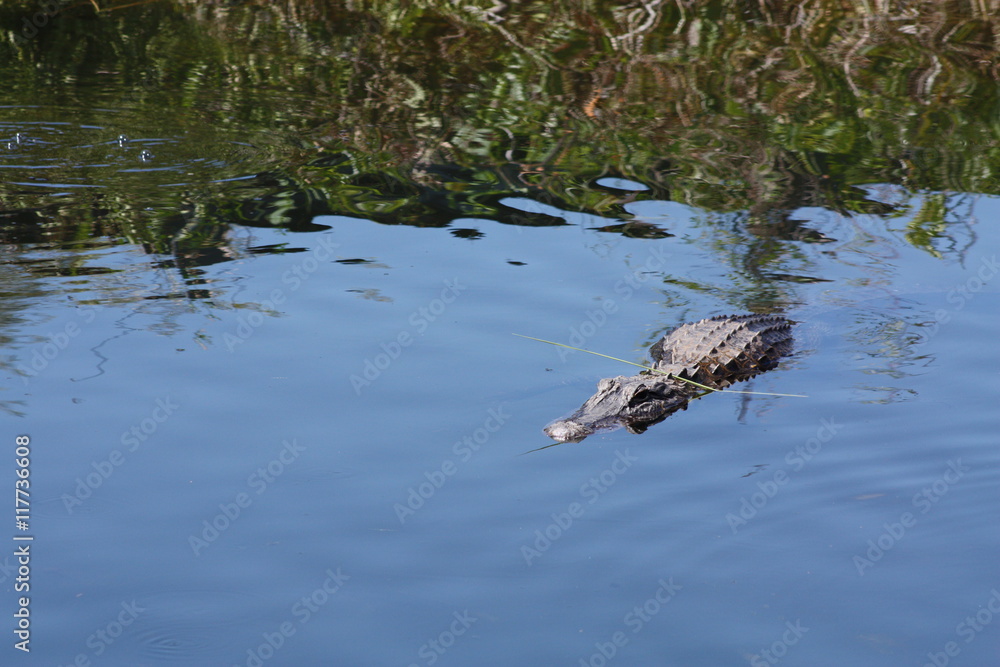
[{"x": 195, "y": 627}]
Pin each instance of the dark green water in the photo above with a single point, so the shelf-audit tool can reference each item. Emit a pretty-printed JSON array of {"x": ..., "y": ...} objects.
[{"x": 260, "y": 269}]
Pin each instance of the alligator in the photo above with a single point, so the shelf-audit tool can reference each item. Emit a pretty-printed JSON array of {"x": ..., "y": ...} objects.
[{"x": 715, "y": 352}]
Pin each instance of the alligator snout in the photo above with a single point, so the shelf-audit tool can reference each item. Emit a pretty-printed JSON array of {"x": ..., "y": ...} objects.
[{"x": 567, "y": 430}]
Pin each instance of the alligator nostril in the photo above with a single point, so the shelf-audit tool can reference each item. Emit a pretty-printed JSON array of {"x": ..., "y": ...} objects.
[{"x": 567, "y": 431}]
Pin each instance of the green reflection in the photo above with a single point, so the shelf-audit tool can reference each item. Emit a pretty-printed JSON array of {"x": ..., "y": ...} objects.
[{"x": 422, "y": 112}]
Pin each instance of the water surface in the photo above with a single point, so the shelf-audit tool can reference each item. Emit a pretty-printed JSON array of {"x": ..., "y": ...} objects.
[{"x": 257, "y": 318}]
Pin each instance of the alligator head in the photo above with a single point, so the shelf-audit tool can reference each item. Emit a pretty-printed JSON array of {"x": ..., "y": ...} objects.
[{"x": 635, "y": 402}]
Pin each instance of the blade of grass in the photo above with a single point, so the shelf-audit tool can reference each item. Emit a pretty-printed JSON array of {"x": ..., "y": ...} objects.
[
  {"x": 656, "y": 370},
  {"x": 580, "y": 349},
  {"x": 734, "y": 391}
]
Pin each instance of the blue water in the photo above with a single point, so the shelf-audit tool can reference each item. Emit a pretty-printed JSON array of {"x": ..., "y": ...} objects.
[{"x": 325, "y": 463}]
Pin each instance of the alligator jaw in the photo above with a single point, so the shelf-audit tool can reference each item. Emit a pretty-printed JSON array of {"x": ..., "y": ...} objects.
[{"x": 633, "y": 402}]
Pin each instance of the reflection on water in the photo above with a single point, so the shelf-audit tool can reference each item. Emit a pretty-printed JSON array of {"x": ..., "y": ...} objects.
[{"x": 249, "y": 213}]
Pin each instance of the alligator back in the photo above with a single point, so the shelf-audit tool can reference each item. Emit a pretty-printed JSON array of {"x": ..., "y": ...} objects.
[{"x": 721, "y": 350}]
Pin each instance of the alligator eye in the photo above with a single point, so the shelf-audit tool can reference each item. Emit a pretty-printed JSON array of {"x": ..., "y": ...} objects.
[{"x": 639, "y": 396}]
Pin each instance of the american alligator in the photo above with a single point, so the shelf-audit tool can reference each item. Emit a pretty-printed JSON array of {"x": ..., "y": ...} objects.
[{"x": 715, "y": 352}]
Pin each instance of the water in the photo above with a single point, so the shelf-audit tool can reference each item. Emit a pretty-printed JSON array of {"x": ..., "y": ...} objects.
[
  {"x": 259, "y": 274},
  {"x": 223, "y": 475}
]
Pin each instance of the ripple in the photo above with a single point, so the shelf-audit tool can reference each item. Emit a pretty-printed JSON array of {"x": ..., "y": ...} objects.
[
  {"x": 72, "y": 148},
  {"x": 195, "y": 627}
]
